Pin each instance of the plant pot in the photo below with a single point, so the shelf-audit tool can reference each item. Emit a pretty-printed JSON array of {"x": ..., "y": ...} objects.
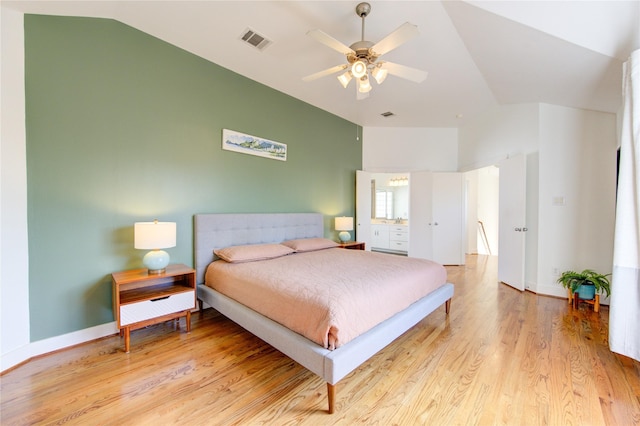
[{"x": 587, "y": 291}]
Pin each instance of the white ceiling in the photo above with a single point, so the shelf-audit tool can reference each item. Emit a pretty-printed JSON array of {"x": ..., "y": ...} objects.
[{"x": 478, "y": 54}]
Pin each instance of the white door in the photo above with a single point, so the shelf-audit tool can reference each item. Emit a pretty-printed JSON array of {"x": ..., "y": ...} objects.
[
  {"x": 420, "y": 228},
  {"x": 363, "y": 208},
  {"x": 437, "y": 217},
  {"x": 448, "y": 219},
  {"x": 512, "y": 226}
]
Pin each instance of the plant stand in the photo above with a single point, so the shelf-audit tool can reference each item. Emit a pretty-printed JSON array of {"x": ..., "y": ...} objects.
[{"x": 574, "y": 298}]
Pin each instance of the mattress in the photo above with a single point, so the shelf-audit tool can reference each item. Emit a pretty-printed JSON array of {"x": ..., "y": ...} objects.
[{"x": 330, "y": 296}]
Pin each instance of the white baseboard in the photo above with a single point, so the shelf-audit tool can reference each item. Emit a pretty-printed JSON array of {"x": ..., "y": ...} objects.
[
  {"x": 557, "y": 291},
  {"x": 41, "y": 347},
  {"x": 549, "y": 290},
  {"x": 15, "y": 357}
]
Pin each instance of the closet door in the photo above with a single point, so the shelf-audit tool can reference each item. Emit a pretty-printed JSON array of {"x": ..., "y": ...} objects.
[
  {"x": 437, "y": 217},
  {"x": 420, "y": 212},
  {"x": 448, "y": 219}
]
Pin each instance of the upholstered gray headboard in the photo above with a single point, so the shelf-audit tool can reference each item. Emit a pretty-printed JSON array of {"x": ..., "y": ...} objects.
[{"x": 212, "y": 231}]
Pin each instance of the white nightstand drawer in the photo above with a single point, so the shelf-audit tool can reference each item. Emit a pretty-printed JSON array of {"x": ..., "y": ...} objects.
[
  {"x": 399, "y": 245},
  {"x": 399, "y": 236},
  {"x": 141, "y": 311},
  {"x": 398, "y": 228}
]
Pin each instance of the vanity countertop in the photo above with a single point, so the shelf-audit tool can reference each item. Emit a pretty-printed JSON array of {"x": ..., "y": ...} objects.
[{"x": 401, "y": 222}]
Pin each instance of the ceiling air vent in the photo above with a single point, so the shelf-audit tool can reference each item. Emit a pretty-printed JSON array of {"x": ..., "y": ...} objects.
[
  {"x": 255, "y": 39},
  {"x": 387, "y": 114}
]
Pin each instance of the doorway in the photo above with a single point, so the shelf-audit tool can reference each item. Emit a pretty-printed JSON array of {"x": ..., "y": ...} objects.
[
  {"x": 483, "y": 187},
  {"x": 508, "y": 210}
]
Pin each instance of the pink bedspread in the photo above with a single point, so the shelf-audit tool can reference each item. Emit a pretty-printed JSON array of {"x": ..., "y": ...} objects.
[{"x": 329, "y": 296}]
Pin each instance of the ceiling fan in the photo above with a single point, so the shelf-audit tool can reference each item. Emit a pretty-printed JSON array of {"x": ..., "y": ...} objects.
[{"x": 362, "y": 57}]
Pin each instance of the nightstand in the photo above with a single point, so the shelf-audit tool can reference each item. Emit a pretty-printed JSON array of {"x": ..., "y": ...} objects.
[
  {"x": 141, "y": 299},
  {"x": 353, "y": 245}
]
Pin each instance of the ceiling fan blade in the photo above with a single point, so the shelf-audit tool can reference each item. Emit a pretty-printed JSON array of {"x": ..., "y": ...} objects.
[
  {"x": 323, "y": 73},
  {"x": 402, "y": 71},
  {"x": 327, "y": 40},
  {"x": 403, "y": 33}
]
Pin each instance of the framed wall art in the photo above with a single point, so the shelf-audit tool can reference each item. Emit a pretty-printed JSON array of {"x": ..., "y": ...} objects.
[{"x": 253, "y": 145}]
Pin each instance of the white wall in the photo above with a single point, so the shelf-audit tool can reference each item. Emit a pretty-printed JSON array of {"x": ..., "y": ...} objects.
[
  {"x": 14, "y": 263},
  {"x": 483, "y": 188},
  {"x": 15, "y": 341},
  {"x": 500, "y": 132},
  {"x": 577, "y": 167},
  {"x": 571, "y": 154},
  {"x": 391, "y": 149},
  {"x": 488, "y": 200},
  {"x": 471, "y": 186}
]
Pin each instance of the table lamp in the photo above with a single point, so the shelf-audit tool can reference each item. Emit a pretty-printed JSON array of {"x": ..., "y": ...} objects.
[
  {"x": 344, "y": 225},
  {"x": 155, "y": 236}
]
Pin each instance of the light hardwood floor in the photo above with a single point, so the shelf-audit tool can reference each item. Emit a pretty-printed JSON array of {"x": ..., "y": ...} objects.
[{"x": 500, "y": 357}]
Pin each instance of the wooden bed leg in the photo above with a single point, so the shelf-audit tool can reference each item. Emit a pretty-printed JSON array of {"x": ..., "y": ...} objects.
[
  {"x": 200, "y": 305},
  {"x": 447, "y": 306},
  {"x": 331, "y": 394}
]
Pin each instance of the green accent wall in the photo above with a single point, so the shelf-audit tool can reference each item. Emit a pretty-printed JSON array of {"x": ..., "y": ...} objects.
[{"x": 123, "y": 127}]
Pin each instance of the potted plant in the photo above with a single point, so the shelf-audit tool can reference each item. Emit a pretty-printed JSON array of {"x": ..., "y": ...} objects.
[{"x": 586, "y": 283}]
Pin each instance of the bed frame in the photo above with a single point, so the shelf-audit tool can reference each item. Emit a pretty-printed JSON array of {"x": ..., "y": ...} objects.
[{"x": 221, "y": 230}]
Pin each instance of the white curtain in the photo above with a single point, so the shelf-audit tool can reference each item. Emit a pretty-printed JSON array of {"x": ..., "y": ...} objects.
[{"x": 624, "y": 313}]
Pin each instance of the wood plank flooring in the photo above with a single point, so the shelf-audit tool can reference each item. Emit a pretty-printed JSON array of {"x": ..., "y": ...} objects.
[{"x": 500, "y": 357}]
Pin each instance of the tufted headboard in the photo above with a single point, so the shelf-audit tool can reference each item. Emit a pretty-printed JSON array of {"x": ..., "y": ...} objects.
[{"x": 213, "y": 231}]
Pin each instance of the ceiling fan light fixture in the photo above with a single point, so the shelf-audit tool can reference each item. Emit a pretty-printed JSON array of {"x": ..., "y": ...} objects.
[
  {"x": 345, "y": 79},
  {"x": 363, "y": 85},
  {"x": 362, "y": 56},
  {"x": 359, "y": 69},
  {"x": 379, "y": 74}
]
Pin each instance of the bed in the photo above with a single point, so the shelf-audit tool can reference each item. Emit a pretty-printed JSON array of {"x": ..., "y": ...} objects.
[{"x": 215, "y": 231}]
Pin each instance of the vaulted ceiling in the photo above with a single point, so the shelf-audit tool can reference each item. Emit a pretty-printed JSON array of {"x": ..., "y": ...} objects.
[{"x": 478, "y": 54}]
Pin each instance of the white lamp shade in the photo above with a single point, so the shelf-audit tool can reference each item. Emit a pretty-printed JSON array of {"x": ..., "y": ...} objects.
[
  {"x": 358, "y": 69},
  {"x": 154, "y": 235},
  {"x": 344, "y": 223},
  {"x": 379, "y": 74},
  {"x": 344, "y": 79},
  {"x": 363, "y": 85}
]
